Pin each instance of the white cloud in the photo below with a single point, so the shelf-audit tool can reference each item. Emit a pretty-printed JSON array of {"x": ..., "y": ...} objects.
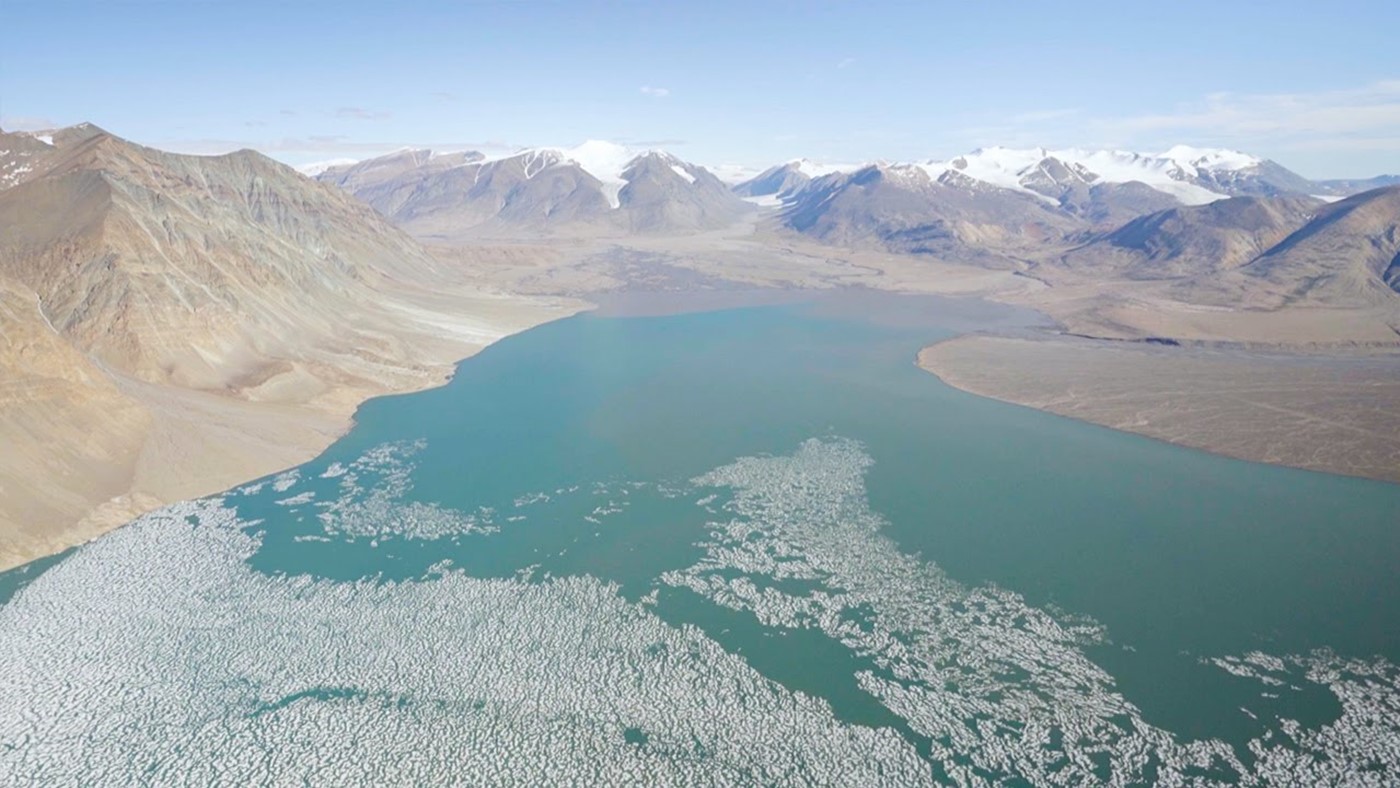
[
  {"x": 1326, "y": 133},
  {"x": 1304, "y": 120},
  {"x": 734, "y": 173},
  {"x": 26, "y": 123},
  {"x": 302, "y": 150},
  {"x": 846, "y": 62},
  {"x": 648, "y": 90}
]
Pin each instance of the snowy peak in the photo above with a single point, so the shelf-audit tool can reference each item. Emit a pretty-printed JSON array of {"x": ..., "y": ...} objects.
[
  {"x": 814, "y": 169},
  {"x": 1047, "y": 173},
  {"x": 664, "y": 165},
  {"x": 779, "y": 182},
  {"x": 604, "y": 185},
  {"x": 604, "y": 160},
  {"x": 610, "y": 164},
  {"x": 997, "y": 166},
  {"x": 1186, "y": 174},
  {"x": 1212, "y": 159}
]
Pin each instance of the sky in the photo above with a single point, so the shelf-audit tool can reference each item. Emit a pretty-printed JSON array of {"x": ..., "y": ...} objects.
[{"x": 1313, "y": 86}]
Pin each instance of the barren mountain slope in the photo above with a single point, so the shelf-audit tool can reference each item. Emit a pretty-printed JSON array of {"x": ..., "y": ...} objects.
[
  {"x": 605, "y": 191},
  {"x": 902, "y": 209},
  {"x": 1191, "y": 240},
  {"x": 174, "y": 324},
  {"x": 664, "y": 194},
  {"x": 1347, "y": 256}
]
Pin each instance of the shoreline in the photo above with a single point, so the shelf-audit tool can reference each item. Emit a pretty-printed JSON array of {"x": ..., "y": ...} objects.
[
  {"x": 191, "y": 443},
  {"x": 1315, "y": 413},
  {"x": 449, "y": 333},
  {"x": 259, "y": 439}
]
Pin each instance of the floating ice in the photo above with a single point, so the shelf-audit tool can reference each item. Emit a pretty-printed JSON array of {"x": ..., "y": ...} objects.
[
  {"x": 372, "y": 501},
  {"x": 159, "y": 655},
  {"x": 994, "y": 686}
]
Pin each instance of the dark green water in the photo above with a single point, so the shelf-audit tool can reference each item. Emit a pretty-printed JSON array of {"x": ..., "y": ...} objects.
[{"x": 570, "y": 450}]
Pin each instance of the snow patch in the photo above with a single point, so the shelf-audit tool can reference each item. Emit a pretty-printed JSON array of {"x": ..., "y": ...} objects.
[
  {"x": 765, "y": 201},
  {"x": 1212, "y": 159},
  {"x": 1170, "y": 172},
  {"x": 317, "y": 167},
  {"x": 814, "y": 169},
  {"x": 605, "y": 161}
]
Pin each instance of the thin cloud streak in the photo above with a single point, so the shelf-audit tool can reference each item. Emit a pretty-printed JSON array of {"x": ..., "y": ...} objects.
[
  {"x": 1338, "y": 119},
  {"x": 1363, "y": 119},
  {"x": 27, "y": 123},
  {"x": 360, "y": 113},
  {"x": 328, "y": 146}
]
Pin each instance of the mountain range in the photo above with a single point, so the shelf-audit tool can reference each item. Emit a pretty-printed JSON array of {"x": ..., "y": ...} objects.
[
  {"x": 994, "y": 206},
  {"x": 1188, "y": 175},
  {"x": 1190, "y": 240},
  {"x": 597, "y": 187},
  {"x": 944, "y": 204},
  {"x": 1259, "y": 252}
]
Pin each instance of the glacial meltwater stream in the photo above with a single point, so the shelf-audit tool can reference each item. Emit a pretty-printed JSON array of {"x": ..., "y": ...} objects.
[{"x": 753, "y": 546}]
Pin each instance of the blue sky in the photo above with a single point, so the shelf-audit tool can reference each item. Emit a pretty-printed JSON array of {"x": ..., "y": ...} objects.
[{"x": 716, "y": 82}]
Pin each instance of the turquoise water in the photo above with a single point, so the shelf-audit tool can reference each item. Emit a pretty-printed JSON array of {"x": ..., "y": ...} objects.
[{"x": 746, "y": 546}]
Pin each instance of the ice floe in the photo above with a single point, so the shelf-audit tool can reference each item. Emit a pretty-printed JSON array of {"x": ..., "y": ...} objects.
[
  {"x": 997, "y": 688},
  {"x": 159, "y": 654}
]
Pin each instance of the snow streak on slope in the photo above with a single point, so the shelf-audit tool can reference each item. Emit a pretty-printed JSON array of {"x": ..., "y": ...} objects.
[{"x": 605, "y": 161}]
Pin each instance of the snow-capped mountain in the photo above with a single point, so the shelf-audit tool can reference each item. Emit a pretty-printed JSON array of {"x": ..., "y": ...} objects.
[
  {"x": 904, "y": 208},
  {"x": 1048, "y": 173},
  {"x": 1007, "y": 197},
  {"x": 785, "y": 179},
  {"x": 598, "y": 184},
  {"x": 1186, "y": 175},
  {"x": 1003, "y": 199}
]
